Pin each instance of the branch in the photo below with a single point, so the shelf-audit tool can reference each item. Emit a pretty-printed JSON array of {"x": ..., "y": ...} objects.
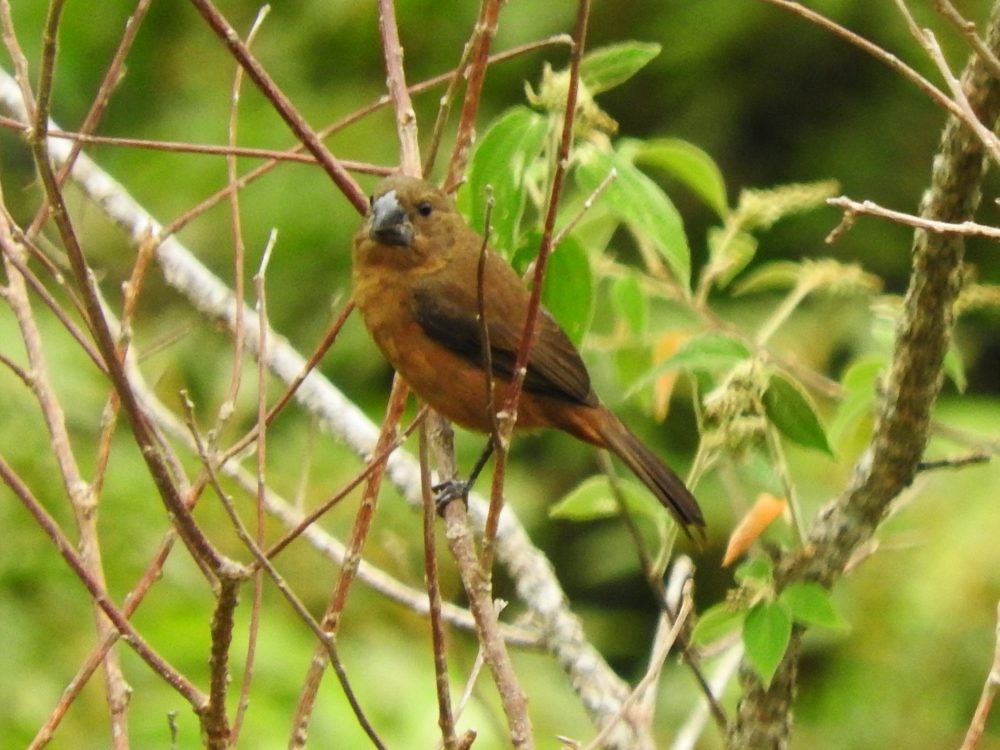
[
  {"x": 990, "y": 687},
  {"x": 406, "y": 118},
  {"x": 282, "y": 104},
  {"x": 561, "y": 632},
  {"x": 853, "y": 208},
  {"x": 893, "y": 457}
]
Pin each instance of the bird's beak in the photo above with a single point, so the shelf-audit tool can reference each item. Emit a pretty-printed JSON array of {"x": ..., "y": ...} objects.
[{"x": 389, "y": 224}]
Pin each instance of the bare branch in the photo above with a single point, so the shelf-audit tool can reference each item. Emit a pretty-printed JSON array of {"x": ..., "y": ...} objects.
[
  {"x": 853, "y": 208},
  {"x": 340, "y": 176},
  {"x": 406, "y": 118},
  {"x": 978, "y": 726}
]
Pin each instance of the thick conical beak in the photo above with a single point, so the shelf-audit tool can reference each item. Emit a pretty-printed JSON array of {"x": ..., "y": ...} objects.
[{"x": 389, "y": 223}]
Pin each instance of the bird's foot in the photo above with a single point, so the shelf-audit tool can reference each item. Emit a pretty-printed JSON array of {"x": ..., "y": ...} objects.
[{"x": 451, "y": 489}]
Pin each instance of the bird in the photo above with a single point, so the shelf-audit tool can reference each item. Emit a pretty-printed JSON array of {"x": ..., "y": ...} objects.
[{"x": 415, "y": 280}]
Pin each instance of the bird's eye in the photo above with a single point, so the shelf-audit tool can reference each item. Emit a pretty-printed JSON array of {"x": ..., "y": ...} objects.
[{"x": 424, "y": 208}]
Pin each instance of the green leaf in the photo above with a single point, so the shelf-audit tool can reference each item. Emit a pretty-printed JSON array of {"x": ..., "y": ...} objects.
[
  {"x": 810, "y": 603},
  {"x": 568, "y": 290},
  {"x": 631, "y": 303},
  {"x": 717, "y": 622},
  {"x": 688, "y": 164},
  {"x": 607, "y": 67},
  {"x": 790, "y": 410},
  {"x": 758, "y": 569},
  {"x": 499, "y": 161},
  {"x": 860, "y": 376},
  {"x": 766, "y": 632},
  {"x": 858, "y": 402},
  {"x": 632, "y": 365},
  {"x": 594, "y": 499},
  {"x": 769, "y": 277},
  {"x": 641, "y": 204},
  {"x": 954, "y": 368},
  {"x": 731, "y": 252},
  {"x": 709, "y": 351}
]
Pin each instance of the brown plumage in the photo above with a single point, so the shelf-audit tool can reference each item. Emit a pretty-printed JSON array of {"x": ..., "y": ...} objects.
[{"x": 415, "y": 283}]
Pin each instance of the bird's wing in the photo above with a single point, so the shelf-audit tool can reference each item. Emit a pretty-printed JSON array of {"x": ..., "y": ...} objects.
[{"x": 447, "y": 313}]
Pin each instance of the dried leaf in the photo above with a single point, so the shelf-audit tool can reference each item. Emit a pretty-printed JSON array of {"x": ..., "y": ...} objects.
[{"x": 758, "y": 518}]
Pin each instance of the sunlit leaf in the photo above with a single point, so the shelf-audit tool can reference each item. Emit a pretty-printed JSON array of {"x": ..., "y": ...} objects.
[
  {"x": 594, "y": 499},
  {"x": 607, "y": 67},
  {"x": 632, "y": 363},
  {"x": 631, "y": 303},
  {"x": 688, "y": 164},
  {"x": 709, "y": 351},
  {"x": 717, "y": 622},
  {"x": 954, "y": 368},
  {"x": 641, "y": 204},
  {"x": 790, "y": 410},
  {"x": 568, "y": 291},
  {"x": 775, "y": 276},
  {"x": 811, "y": 604},
  {"x": 766, "y": 632},
  {"x": 731, "y": 252},
  {"x": 858, "y": 402},
  {"x": 499, "y": 161}
]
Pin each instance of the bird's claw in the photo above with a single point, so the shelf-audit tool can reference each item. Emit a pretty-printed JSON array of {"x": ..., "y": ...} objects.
[{"x": 451, "y": 489}]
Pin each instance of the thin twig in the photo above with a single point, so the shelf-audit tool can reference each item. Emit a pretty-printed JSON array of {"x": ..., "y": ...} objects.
[
  {"x": 43, "y": 294},
  {"x": 19, "y": 59},
  {"x": 968, "y": 29},
  {"x": 513, "y": 394},
  {"x": 152, "y": 574},
  {"x": 480, "y": 43},
  {"x": 965, "y": 112},
  {"x": 184, "y": 219},
  {"x": 667, "y": 633},
  {"x": 406, "y": 118},
  {"x": 340, "y": 176},
  {"x": 446, "y": 721},
  {"x": 978, "y": 725},
  {"x": 853, "y": 208},
  {"x": 293, "y": 155},
  {"x": 151, "y": 447},
  {"x": 226, "y": 408},
  {"x": 933, "y": 92},
  {"x": 588, "y": 203},
  {"x": 958, "y": 462},
  {"x": 476, "y": 582},
  {"x": 328, "y": 640},
  {"x": 99, "y": 596},
  {"x": 112, "y": 78},
  {"x": 348, "y": 570}
]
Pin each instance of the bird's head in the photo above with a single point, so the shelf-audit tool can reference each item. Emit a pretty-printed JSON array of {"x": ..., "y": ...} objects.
[{"x": 405, "y": 211}]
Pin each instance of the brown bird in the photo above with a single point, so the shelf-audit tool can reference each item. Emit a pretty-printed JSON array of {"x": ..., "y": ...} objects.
[{"x": 416, "y": 284}]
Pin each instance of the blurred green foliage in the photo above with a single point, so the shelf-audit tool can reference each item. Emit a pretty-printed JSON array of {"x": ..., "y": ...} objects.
[{"x": 737, "y": 100}]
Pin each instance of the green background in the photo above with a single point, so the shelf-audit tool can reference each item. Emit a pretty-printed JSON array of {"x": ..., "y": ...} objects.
[{"x": 770, "y": 97}]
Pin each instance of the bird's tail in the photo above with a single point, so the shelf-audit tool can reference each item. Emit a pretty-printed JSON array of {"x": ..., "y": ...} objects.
[{"x": 654, "y": 473}]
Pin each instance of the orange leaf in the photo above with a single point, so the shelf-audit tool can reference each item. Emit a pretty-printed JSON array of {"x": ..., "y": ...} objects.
[
  {"x": 759, "y": 517},
  {"x": 663, "y": 387}
]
